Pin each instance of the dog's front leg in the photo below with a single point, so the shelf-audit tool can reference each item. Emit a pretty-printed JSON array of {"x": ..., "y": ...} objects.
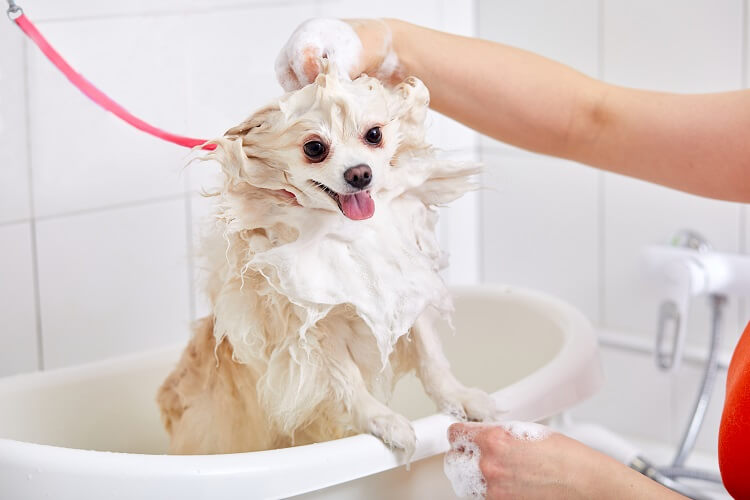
[
  {"x": 368, "y": 414},
  {"x": 433, "y": 369}
]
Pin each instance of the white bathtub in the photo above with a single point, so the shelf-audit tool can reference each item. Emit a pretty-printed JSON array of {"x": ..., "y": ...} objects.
[{"x": 93, "y": 431}]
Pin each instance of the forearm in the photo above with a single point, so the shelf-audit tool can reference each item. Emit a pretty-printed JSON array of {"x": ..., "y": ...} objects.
[
  {"x": 695, "y": 143},
  {"x": 698, "y": 143},
  {"x": 503, "y": 92},
  {"x": 596, "y": 475}
]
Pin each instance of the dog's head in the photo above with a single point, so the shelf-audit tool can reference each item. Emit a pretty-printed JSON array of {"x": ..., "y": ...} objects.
[{"x": 332, "y": 144}]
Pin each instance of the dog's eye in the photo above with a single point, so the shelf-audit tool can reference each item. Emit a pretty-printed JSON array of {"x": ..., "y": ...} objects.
[
  {"x": 374, "y": 136},
  {"x": 315, "y": 151}
]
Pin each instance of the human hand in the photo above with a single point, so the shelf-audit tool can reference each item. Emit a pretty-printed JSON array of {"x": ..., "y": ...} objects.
[
  {"x": 354, "y": 46},
  {"x": 511, "y": 460}
]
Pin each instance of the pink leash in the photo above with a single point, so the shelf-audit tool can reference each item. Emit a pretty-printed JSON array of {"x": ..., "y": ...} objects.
[{"x": 16, "y": 15}]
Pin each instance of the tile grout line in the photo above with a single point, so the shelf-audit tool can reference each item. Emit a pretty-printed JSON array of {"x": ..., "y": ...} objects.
[
  {"x": 14, "y": 222},
  {"x": 32, "y": 213},
  {"x": 114, "y": 206}
]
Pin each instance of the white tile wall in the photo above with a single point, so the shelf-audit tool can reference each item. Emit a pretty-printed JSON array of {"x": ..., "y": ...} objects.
[
  {"x": 18, "y": 340},
  {"x": 673, "y": 45},
  {"x": 428, "y": 13},
  {"x": 635, "y": 399},
  {"x": 84, "y": 158},
  {"x": 113, "y": 281},
  {"x": 567, "y": 32},
  {"x": 539, "y": 226}
]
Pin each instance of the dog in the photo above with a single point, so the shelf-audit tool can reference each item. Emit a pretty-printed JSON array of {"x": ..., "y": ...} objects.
[{"x": 323, "y": 276}]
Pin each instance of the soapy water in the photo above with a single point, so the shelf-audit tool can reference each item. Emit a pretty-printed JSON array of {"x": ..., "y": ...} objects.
[{"x": 461, "y": 464}]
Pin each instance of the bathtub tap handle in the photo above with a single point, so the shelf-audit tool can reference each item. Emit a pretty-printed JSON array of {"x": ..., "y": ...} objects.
[{"x": 669, "y": 319}]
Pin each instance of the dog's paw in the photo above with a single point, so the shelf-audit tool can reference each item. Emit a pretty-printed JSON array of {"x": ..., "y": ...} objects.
[
  {"x": 468, "y": 403},
  {"x": 395, "y": 431}
]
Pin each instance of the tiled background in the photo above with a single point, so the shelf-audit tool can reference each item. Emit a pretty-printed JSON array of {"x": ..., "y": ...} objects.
[{"x": 97, "y": 221}]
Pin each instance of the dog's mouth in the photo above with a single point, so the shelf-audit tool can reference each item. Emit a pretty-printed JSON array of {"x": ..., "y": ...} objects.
[{"x": 356, "y": 206}]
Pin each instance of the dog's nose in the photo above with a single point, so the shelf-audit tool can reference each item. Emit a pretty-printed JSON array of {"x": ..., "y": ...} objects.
[{"x": 359, "y": 176}]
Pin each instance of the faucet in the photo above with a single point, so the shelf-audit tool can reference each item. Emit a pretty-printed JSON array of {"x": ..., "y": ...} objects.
[{"x": 687, "y": 268}]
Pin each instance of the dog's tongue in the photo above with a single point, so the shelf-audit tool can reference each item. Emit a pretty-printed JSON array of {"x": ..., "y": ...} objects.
[{"x": 357, "y": 206}]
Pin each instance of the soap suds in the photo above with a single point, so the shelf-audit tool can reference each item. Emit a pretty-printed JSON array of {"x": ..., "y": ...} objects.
[
  {"x": 461, "y": 463},
  {"x": 298, "y": 62},
  {"x": 526, "y": 431},
  {"x": 313, "y": 39}
]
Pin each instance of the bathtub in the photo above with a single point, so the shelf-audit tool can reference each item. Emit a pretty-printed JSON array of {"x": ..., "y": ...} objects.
[{"x": 93, "y": 431}]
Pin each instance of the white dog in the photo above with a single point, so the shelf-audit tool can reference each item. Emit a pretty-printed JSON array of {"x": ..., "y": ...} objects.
[{"x": 324, "y": 276}]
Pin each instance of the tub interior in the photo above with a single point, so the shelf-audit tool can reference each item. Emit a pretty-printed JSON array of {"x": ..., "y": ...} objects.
[{"x": 110, "y": 405}]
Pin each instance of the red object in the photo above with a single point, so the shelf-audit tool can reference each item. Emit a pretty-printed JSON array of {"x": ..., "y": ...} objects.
[
  {"x": 734, "y": 432},
  {"x": 97, "y": 95}
]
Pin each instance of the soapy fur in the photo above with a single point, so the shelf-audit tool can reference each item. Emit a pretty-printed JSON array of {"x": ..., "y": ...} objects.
[
  {"x": 461, "y": 464},
  {"x": 316, "y": 316}
]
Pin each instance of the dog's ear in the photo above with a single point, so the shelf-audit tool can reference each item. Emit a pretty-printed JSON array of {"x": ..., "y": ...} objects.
[
  {"x": 243, "y": 151},
  {"x": 239, "y": 130},
  {"x": 260, "y": 121},
  {"x": 411, "y": 100}
]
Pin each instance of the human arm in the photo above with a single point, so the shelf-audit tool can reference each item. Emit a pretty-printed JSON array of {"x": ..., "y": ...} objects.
[
  {"x": 553, "y": 466},
  {"x": 699, "y": 143}
]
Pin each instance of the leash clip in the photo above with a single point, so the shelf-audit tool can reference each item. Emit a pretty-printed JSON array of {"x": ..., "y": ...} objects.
[{"x": 14, "y": 11}]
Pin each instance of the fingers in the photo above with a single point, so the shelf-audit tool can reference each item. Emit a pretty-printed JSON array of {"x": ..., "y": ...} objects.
[
  {"x": 461, "y": 433},
  {"x": 299, "y": 61},
  {"x": 310, "y": 66}
]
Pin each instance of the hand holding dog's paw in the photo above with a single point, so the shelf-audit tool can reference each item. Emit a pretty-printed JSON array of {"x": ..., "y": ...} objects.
[{"x": 395, "y": 431}]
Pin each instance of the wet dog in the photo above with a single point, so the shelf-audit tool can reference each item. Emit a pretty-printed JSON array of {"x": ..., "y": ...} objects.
[{"x": 323, "y": 276}]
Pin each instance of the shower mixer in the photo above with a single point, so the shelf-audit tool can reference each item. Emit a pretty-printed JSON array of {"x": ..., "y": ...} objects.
[{"x": 687, "y": 268}]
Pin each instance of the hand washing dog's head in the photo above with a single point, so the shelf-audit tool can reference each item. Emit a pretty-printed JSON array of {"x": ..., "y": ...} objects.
[{"x": 332, "y": 144}]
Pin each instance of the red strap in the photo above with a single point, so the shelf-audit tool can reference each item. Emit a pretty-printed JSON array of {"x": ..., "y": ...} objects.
[{"x": 97, "y": 95}]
